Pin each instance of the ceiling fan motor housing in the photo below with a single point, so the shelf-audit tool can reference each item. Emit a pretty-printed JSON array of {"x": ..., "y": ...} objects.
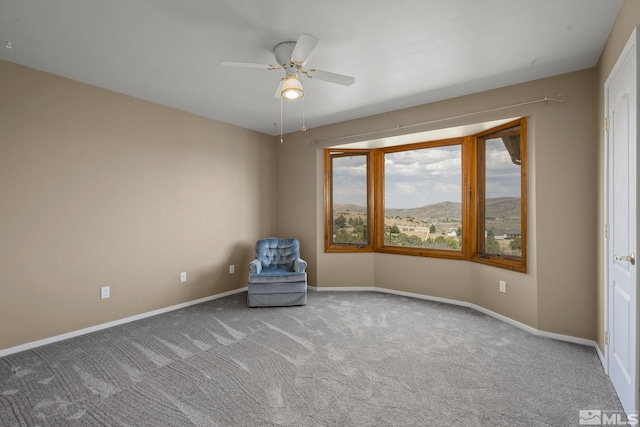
[{"x": 283, "y": 53}]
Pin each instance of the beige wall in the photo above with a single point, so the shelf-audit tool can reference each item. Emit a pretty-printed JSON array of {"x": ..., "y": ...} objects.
[
  {"x": 97, "y": 189},
  {"x": 558, "y": 294},
  {"x": 102, "y": 189},
  {"x": 628, "y": 18}
]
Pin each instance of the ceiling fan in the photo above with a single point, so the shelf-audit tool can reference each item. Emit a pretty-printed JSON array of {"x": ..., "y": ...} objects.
[{"x": 291, "y": 57}]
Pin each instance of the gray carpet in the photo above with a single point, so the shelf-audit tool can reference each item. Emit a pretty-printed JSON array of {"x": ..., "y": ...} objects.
[{"x": 345, "y": 359}]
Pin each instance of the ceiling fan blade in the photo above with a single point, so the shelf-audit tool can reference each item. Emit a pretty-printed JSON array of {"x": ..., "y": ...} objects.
[
  {"x": 248, "y": 65},
  {"x": 331, "y": 77},
  {"x": 304, "y": 46},
  {"x": 279, "y": 90}
]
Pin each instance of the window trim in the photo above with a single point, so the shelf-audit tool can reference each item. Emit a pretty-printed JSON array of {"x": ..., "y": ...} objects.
[{"x": 329, "y": 245}]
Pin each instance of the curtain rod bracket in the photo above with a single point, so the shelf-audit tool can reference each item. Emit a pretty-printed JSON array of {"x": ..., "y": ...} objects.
[{"x": 560, "y": 98}]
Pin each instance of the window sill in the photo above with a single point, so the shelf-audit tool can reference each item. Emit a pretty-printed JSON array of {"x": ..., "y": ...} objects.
[{"x": 501, "y": 262}]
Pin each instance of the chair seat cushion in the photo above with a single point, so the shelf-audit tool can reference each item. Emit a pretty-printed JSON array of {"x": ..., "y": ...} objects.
[
  {"x": 277, "y": 275},
  {"x": 276, "y": 288}
]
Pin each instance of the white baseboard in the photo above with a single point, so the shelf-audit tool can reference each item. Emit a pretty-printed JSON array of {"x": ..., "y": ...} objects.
[
  {"x": 348, "y": 288},
  {"x": 530, "y": 329},
  {"x": 50, "y": 340},
  {"x": 603, "y": 360}
]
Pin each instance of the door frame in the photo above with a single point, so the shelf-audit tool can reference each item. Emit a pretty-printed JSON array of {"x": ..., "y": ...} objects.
[{"x": 632, "y": 43}]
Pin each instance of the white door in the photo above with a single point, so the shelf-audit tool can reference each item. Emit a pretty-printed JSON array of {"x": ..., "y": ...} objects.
[{"x": 621, "y": 109}]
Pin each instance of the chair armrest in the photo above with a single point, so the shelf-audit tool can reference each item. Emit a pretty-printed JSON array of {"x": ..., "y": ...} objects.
[
  {"x": 255, "y": 266},
  {"x": 299, "y": 265}
]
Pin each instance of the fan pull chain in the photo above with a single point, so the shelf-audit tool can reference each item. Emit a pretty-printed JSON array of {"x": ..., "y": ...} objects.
[
  {"x": 281, "y": 140},
  {"x": 304, "y": 127}
]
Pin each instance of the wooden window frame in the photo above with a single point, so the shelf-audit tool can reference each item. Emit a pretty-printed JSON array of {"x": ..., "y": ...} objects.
[
  {"x": 472, "y": 207},
  {"x": 379, "y": 244},
  {"x": 477, "y": 197},
  {"x": 329, "y": 245}
]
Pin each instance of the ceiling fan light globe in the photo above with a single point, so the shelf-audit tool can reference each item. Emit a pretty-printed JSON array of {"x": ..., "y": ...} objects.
[
  {"x": 292, "y": 88},
  {"x": 292, "y": 94}
]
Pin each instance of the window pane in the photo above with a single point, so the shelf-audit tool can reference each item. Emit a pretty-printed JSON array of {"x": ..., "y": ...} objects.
[
  {"x": 423, "y": 198},
  {"x": 502, "y": 195},
  {"x": 349, "y": 199}
]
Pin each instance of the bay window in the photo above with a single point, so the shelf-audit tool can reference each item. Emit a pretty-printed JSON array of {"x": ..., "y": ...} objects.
[{"x": 462, "y": 198}]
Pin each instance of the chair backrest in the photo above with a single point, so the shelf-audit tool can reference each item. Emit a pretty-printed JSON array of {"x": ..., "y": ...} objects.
[{"x": 277, "y": 253}]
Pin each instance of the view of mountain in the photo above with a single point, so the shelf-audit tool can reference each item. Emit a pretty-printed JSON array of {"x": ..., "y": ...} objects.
[
  {"x": 499, "y": 207},
  {"x": 425, "y": 213},
  {"x": 349, "y": 208},
  {"x": 503, "y": 207}
]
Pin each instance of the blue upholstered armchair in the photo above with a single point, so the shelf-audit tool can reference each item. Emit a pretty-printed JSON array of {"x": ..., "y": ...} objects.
[{"x": 277, "y": 276}]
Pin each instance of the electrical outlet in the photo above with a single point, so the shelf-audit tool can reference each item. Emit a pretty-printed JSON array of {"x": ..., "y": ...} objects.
[
  {"x": 232, "y": 269},
  {"x": 183, "y": 277},
  {"x": 105, "y": 292},
  {"x": 503, "y": 286}
]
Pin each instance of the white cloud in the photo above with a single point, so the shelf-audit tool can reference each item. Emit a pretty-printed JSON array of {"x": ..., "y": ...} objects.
[
  {"x": 404, "y": 188},
  {"x": 452, "y": 190},
  {"x": 424, "y": 163},
  {"x": 347, "y": 170},
  {"x": 421, "y": 177},
  {"x": 503, "y": 188},
  {"x": 350, "y": 180},
  {"x": 350, "y": 193}
]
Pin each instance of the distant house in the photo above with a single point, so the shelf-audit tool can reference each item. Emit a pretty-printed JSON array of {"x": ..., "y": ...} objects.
[
  {"x": 452, "y": 233},
  {"x": 498, "y": 234},
  {"x": 509, "y": 234},
  {"x": 514, "y": 234}
]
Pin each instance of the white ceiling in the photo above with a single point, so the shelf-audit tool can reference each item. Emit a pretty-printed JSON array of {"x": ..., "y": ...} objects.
[{"x": 401, "y": 52}]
